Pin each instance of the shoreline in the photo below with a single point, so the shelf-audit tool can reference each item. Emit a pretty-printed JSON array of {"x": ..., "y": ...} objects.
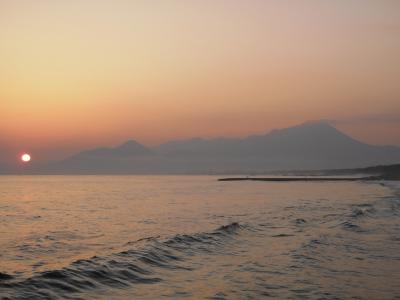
[{"x": 298, "y": 179}]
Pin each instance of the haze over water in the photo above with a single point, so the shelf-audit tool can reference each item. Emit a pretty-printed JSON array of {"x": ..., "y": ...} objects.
[{"x": 154, "y": 237}]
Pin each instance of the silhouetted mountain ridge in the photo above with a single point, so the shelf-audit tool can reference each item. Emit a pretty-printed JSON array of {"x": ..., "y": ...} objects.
[
  {"x": 129, "y": 148},
  {"x": 311, "y": 136},
  {"x": 312, "y": 145}
]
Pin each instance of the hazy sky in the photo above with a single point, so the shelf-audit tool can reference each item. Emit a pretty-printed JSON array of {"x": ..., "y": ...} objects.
[{"x": 76, "y": 74}]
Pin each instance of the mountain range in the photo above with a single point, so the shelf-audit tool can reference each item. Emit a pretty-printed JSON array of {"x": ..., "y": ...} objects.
[{"x": 312, "y": 145}]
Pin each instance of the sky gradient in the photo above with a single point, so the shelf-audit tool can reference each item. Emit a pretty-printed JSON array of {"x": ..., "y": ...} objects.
[{"x": 78, "y": 74}]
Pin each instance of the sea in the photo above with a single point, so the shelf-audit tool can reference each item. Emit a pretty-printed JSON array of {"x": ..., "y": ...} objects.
[{"x": 194, "y": 237}]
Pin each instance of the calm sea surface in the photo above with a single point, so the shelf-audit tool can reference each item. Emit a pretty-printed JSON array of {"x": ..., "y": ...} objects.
[{"x": 155, "y": 237}]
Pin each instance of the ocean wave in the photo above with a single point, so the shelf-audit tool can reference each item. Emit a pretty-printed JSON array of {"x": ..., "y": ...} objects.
[
  {"x": 132, "y": 266},
  {"x": 362, "y": 210},
  {"x": 5, "y": 276}
]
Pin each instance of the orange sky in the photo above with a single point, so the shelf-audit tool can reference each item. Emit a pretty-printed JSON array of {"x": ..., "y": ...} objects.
[{"x": 77, "y": 74}]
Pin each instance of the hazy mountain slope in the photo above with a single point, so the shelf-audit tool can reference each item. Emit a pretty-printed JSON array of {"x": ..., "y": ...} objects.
[
  {"x": 129, "y": 157},
  {"x": 310, "y": 145},
  {"x": 129, "y": 148},
  {"x": 307, "y": 146}
]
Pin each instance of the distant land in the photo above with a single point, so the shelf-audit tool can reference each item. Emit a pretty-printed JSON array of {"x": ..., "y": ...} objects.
[
  {"x": 386, "y": 172},
  {"x": 309, "y": 146},
  {"x": 376, "y": 172}
]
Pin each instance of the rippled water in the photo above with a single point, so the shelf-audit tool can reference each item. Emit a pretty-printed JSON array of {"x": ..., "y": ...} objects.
[{"x": 153, "y": 237}]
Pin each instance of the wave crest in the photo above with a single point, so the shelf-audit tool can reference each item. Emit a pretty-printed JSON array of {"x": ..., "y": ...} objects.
[{"x": 133, "y": 266}]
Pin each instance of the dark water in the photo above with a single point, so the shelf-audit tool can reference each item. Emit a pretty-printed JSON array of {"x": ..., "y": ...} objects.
[{"x": 130, "y": 237}]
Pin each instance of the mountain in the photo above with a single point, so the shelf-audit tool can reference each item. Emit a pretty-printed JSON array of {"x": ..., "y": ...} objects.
[
  {"x": 129, "y": 157},
  {"x": 312, "y": 145},
  {"x": 130, "y": 148},
  {"x": 307, "y": 146}
]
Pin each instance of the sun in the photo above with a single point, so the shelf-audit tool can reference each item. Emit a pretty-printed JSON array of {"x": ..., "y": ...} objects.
[{"x": 25, "y": 157}]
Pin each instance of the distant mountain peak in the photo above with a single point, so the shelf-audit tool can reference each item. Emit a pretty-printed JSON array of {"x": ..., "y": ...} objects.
[
  {"x": 128, "y": 148},
  {"x": 318, "y": 124},
  {"x": 131, "y": 147},
  {"x": 129, "y": 144},
  {"x": 312, "y": 129}
]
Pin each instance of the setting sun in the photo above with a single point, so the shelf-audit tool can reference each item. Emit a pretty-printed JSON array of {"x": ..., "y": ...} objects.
[{"x": 26, "y": 157}]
